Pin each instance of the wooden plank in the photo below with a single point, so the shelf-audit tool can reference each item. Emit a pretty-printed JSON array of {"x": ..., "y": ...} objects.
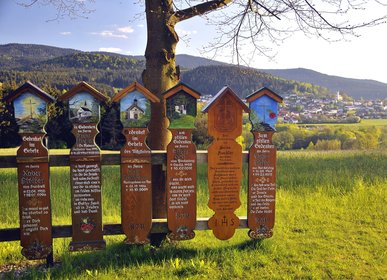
[
  {"x": 62, "y": 231},
  {"x": 30, "y": 104},
  {"x": 136, "y": 186},
  {"x": 158, "y": 157},
  {"x": 224, "y": 162}
]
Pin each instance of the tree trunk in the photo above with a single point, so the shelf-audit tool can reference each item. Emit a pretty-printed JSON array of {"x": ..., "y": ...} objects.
[
  {"x": 160, "y": 73},
  {"x": 159, "y": 76}
]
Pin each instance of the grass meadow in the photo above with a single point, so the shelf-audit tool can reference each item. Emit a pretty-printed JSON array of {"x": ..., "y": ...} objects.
[{"x": 330, "y": 224}]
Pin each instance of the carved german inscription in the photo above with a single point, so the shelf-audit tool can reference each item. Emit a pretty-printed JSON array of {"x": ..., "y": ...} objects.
[
  {"x": 224, "y": 161},
  {"x": 262, "y": 186},
  {"x": 34, "y": 197},
  {"x": 136, "y": 187},
  {"x": 30, "y": 104},
  {"x": 85, "y": 169},
  {"x": 181, "y": 162},
  {"x": 262, "y": 164},
  {"x": 136, "y": 167},
  {"x": 181, "y": 191}
]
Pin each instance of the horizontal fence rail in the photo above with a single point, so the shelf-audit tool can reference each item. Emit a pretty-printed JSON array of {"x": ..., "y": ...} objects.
[
  {"x": 112, "y": 158},
  {"x": 108, "y": 158}
]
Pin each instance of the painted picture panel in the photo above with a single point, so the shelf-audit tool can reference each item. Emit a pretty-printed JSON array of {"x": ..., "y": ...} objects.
[
  {"x": 181, "y": 110},
  {"x": 83, "y": 108},
  {"x": 30, "y": 113},
  {"x": 264, "y": 113},
  {"x": 135, "y": 110}
]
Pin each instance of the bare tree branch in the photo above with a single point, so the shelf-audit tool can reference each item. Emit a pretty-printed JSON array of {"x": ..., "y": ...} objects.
[
  {"x": 65, "y": 8},
  {"x": 200, "y": 9}
]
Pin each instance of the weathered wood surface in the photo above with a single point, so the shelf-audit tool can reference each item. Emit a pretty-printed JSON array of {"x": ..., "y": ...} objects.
[{"x": 158, "y": 226}]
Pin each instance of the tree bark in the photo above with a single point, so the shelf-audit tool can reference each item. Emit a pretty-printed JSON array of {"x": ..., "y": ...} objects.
[
  {"x": 159, "y": 76},
  {"x": 160, "y": 73}
]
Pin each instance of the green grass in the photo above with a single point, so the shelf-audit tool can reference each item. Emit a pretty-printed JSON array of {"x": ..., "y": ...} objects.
[{"x": 330, "y": 224}]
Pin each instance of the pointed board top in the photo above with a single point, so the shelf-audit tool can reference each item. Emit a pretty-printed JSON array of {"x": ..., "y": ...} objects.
[
  {"x": 82, "y": 87},
  {"x": 225, "y": 91},
  {"x": 264, "y": 91},
  {"x": 181, "y": 87},
  {"x": 135, "y": 86},
  {"x": 28, "y": 86}
]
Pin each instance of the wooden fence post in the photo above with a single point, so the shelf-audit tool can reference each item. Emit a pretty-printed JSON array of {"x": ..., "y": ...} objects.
[
  {"x": 181, "y": 162},
  {"x": 85, "y": 168},
  {"x": 30, "y": 103},
  {"x": 224, "y": 161},
  {"x": 136, "y": 163},
  {"x": 262, "y": 163}
]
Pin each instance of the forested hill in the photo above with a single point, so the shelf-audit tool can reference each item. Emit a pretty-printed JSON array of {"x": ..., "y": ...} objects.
[
  {"x": 105, "y": 71},
  {"x": 357, "y": 88},
  {"x": 244, "y": 81},
  {"x": 24, "y": 55},
  {"x": 63, "y": 68}
]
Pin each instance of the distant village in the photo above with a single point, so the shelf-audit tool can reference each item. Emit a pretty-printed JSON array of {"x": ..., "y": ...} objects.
[{"x": 338, "y": 109}]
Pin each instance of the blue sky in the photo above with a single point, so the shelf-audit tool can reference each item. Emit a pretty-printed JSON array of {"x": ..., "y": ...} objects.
[{"x": 120, "y": 26}]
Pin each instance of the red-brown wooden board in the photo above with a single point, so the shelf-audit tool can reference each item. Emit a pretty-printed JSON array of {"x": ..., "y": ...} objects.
[
  {"x": 181, "y": 162},
  {"x": 30, "y": 104},
  {"x": 224, "y": 161},
  {"x": 136, "y": 168},
  {"x": 262, "y": 186},
  {"x": 181, "y": 180},
  {"x": 34, "y": 197},
  {"x": 85, "y": 168},
  {"x": 86, "y": 197},
  {"x": 262, "y": 163},
  {"x": 136, "y": 187}
]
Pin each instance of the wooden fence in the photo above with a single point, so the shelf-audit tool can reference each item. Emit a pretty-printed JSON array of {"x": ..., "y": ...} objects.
[{"x": 111, "y": 158}]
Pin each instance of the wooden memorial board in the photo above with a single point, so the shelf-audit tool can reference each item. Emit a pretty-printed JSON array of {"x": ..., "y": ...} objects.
[
  {"x": 136, "y": 163},
  {"x": 85, "y": 168},
  {"x": 181, "y": 162},
  {"x": 30, "y": 104},
  {"x": 262, "y": 163},
  {"x": 224, "y": 161}
]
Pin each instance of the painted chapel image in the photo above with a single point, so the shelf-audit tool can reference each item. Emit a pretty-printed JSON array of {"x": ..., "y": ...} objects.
[
  {"x": 134, "y": 112},
  {"x": 84, "y": 112}
]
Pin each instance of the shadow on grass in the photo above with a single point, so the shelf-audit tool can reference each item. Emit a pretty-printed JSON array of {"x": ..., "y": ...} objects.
[{"x": 119, "y": 256}]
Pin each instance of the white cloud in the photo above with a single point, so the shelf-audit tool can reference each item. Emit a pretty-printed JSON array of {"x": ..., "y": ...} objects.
[
  {"x": 110, "y": 34},
  {"x": 125, "y": 29},
  {"x": 141, "y": 25},
  {"x": 65, "y": 33},
  {"x": 112, "y": 49}
]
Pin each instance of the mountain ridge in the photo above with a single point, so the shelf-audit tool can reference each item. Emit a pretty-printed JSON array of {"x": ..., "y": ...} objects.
[
  {"x": 356, "y": 87},
  {"x": 24, "y": 57}
]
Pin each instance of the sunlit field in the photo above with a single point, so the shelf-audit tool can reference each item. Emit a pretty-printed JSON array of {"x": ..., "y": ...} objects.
[{"x": 330, "y": 223}]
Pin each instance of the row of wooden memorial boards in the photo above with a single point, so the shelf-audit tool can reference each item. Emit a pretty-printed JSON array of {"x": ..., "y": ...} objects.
[{"x": 224, "y": 165}]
